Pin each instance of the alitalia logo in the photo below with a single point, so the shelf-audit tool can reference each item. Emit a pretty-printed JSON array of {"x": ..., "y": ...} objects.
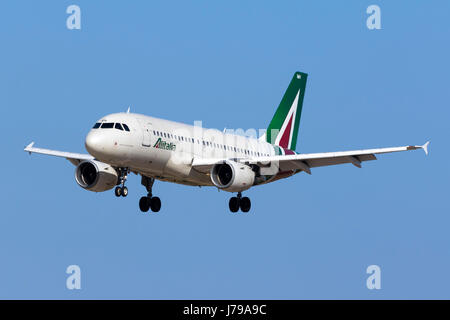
[{"x": 161, "y": 144}]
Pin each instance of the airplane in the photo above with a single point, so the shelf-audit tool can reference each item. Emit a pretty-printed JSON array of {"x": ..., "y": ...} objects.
[{"x": 159, "y": 149}]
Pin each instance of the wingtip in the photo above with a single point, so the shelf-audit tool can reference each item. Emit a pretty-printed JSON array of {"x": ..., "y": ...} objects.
[
  {"x": 425, "y": 147},
  {"x": 28, "y": 147}
]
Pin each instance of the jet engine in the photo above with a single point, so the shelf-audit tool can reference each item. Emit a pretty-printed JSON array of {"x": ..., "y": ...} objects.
[
  {"x": 96, "y": 176},
  {"x": 232, "y": 176}
]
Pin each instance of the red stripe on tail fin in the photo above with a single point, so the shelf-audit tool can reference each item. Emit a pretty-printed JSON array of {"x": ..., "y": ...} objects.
[{"x": 284, "y": 141}]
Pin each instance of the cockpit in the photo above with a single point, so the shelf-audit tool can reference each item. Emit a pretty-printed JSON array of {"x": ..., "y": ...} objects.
[{"x": 111, "y": 125}]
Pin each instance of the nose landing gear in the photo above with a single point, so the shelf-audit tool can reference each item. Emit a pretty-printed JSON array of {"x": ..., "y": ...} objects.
[
  {"x": 122, "y": 190},
  {"x": 149, "y": 202},
  {"x": 239, "y": 202}
]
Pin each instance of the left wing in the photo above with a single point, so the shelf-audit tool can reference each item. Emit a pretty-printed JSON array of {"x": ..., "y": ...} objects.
[
  {"x": 74, "y": 158},
  {"x": 305, "y": 162}
]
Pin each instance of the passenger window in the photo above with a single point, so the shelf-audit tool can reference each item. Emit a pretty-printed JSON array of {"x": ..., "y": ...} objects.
[
  {"x": 118, "y": 126},
  {"x": 96, "y": 126},
  {"x": 107, "y": 125},
  {"x": 125, "y": 127}
]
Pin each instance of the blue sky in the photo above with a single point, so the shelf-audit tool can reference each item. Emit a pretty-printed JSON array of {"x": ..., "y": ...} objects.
[{"x": 228, "y": 63}]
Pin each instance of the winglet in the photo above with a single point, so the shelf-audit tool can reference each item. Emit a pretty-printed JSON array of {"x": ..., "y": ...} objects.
[
  {"x": 28, "y": 147},
  {"x": 425, "y": 147}
]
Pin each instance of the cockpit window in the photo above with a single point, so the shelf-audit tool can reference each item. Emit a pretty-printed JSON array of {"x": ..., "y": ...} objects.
[
  {"x": 96, "y": 126},
  {"x": 107, "y": 125},
  {"x": 118, "y": 126},
  {"x": 125, "y": 127}
]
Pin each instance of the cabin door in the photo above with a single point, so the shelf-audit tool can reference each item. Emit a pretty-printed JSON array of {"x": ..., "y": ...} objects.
[{"x": 146, "y": 136}]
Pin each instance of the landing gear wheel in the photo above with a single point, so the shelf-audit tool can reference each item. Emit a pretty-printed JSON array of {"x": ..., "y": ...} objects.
[
  {"x": 234, "y": 204},
  {"x": 144, "y": 204},
  {"x": 124, "y": 191},
  {"x": 245, "y": 204},
  {"x": 151, "y": 202},
  {"x": 118, "y": 191},
  {"x": 155, "y": 204}
]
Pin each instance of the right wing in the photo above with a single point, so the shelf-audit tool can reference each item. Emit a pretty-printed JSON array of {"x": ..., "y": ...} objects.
[
  {"x": 305, "y": 162},
  {"x": 74, "y": 158}
]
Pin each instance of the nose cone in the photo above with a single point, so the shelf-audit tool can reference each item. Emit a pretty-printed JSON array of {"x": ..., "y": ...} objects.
[{"x": 94, "y": 143}]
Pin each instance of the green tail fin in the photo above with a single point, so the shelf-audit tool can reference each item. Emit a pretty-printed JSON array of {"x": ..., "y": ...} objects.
[{"x": 283, "y": 129}]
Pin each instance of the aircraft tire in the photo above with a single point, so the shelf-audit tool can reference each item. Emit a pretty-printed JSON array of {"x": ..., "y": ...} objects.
[
  {"x": 144, "y": 204},
  {"x": 118, "y": 191},
  {"x": 155, "y": 204},
  {"x": 233, "y": 204},
  {"x": 124, "y": 191},
  {"x": 245, "y": 204}
]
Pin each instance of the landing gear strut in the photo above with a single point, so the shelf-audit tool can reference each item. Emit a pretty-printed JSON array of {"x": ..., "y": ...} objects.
[
  {"x": 122, "y": 190},
  {"x": 239, "y": 202},
  {"x": 149, "y": 202}
]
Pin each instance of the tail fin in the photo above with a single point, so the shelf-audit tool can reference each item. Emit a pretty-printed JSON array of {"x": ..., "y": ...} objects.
[{"x": 283, "y": 129}]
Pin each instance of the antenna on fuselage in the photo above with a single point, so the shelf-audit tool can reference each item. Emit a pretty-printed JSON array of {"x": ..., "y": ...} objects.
[{"x": 128, "y": 111}]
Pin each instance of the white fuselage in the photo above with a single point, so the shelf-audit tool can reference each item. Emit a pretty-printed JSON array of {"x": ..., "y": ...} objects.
[{"x": 166, "y": 149}]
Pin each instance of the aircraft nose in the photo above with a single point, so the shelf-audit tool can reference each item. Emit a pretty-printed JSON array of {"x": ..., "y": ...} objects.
[{"x": 93, "y": 143}]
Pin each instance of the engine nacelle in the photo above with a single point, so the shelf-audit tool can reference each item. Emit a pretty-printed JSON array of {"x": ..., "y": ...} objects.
[
  {"x": 232, "y": 176},
  {"x": 96, "y": 176}
]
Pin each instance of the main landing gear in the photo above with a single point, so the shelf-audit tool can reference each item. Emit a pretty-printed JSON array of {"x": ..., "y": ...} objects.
[
  {"x": 149, "y": 202},
  {"x": 122, "y": 190},
  {"x": 239, "y": 202}
]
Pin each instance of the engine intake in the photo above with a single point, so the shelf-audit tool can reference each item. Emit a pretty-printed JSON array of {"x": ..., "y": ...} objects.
[
  {"x": 232, "y": 176},
  {"x": 96, "y": 176}
]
